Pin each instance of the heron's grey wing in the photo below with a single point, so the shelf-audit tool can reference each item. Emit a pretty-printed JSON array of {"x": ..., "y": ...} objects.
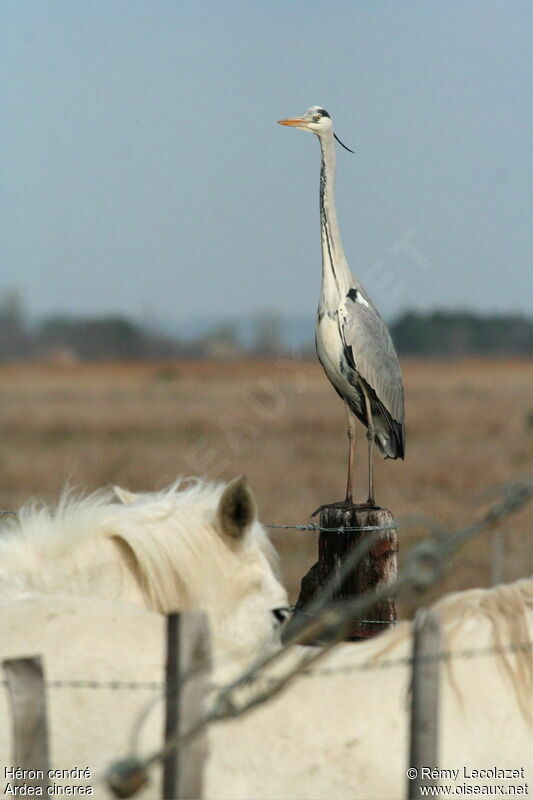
[{"x": 368, "y": 342}]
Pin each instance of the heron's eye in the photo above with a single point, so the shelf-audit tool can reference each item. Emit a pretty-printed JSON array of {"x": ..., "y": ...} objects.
[{"x": 316, "y": 117}]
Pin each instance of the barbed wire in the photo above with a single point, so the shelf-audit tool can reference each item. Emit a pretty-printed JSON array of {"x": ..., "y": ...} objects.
[
  {"x": 341, "y": 529},
  {"x": 298, "y": 612},
  {"x": 372, "y": 665},
  {"x": 76, "y": 683},
  {"x": 421, "y": 520},
  {"x": 466, "y": 653}
]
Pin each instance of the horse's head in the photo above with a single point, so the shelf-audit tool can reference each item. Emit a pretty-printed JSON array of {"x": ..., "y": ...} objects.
[
  {"x": 261, "y": 600},
  {"x": 202, "y": 547}
]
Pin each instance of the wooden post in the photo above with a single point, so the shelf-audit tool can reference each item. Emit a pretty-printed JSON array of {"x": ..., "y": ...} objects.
[
  {"x": 187, "y": 673},
  {"x": 423, "y": 751},
  {"x": 172, "y": 704},
  {"x": 25, "y": 680},
  {"x": 377, "y": 567}
]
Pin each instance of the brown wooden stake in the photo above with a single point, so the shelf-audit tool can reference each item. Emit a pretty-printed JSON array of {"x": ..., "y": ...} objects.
[
  {"x": 377, "y": 567},
  {"x": 423, "y": 750},
  {"x": 25, "y": 680},
  {"x": 171, "y": 765},
  {"x": 187, "y": 676}
]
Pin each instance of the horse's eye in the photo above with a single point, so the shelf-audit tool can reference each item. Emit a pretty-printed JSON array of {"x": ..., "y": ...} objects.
[{"x": 281, "y": 614}]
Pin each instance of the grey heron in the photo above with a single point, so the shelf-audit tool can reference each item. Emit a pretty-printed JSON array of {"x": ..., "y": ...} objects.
[{"x": 352, "y": 341}]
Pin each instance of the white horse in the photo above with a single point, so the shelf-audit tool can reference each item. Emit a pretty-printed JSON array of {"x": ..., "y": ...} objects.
[
  {"x": 193, "y": 546},
  {"x": 339, "y": 732}
]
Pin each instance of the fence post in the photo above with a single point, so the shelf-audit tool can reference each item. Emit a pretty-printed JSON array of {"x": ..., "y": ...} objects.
[
  {"x": 25, "y": 680},
  {"x": 423, "y": 751},
  {"x": 187, "y": 672},
  {"x": 172, "y": 704},
  {"x": 377, "y": 567}
]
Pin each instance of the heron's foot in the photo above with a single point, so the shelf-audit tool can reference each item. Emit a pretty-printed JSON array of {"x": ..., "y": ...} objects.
[
  {"x": 370, "y": 503},
  {"x": 343, "y": 505}
]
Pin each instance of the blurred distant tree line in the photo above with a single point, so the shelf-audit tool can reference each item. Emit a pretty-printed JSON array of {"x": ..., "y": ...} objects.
[
  {"x": 100, "y": 338},
  {"x": 457, "y": 333},
  {"x": 444, "y": 334},
  {"x": 71, "y": 338}
]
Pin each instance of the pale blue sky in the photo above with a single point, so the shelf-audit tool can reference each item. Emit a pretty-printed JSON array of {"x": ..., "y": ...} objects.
[{"x": 143, "y": 172}]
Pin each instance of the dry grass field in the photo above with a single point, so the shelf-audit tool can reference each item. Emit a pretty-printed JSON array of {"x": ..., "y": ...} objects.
[{"x": 140, "y": 425}]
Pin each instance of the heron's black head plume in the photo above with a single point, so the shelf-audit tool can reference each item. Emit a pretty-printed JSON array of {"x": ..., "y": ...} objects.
[{"x": 346, "y": 148}]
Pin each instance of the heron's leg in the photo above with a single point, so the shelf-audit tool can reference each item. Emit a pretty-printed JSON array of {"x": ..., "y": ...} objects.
[
  {"x": 370, "y": 435},
  {"x": 351, "y": 453}
]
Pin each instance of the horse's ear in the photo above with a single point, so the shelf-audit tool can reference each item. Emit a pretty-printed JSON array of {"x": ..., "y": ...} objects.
[
  {"x": 236, "y": 509},
  {"x": 124, "y": 495}
]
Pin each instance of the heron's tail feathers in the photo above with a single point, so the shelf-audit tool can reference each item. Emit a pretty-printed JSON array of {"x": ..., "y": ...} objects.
[{"x": 391, "y": 442}]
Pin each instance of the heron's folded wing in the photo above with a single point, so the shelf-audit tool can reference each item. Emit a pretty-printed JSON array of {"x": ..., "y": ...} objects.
[{"x": 367, "y": 340}]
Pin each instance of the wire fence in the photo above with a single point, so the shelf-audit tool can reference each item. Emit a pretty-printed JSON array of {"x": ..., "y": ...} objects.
[
  {"x": 341, "y": 529},
  {"x": 166, "y": 687},
  {"x": 423, "y": 565}
]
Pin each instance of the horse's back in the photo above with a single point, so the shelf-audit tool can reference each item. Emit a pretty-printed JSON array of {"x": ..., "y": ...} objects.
[
  {"x": 90, "y": 641},
  {"x": 339, "y": 731}
]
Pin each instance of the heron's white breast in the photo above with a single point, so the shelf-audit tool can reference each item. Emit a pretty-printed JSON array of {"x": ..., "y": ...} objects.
[{"x": 330, "y": 350}]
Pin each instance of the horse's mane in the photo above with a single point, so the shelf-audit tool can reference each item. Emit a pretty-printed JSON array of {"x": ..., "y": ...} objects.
[
  {"x": 506, "y": 607},
  {"x": 41, "y": 536},
  {"x": 39, "y": 530},
  {"x": 187, "y": 555}
]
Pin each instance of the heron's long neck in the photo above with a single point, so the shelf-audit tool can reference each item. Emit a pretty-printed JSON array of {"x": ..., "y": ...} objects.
[{"x": 336, "y": 277}]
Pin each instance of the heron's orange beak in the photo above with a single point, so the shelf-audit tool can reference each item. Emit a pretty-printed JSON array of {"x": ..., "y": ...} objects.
[{"x": 295, "y": 122}]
